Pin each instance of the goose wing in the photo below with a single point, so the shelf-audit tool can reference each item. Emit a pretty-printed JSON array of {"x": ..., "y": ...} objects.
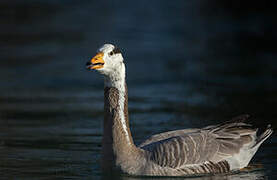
[
  {"x": 181, "y": 132},
  {"x": 197, "y": 146},
  {"x": 167, "y": 135}
]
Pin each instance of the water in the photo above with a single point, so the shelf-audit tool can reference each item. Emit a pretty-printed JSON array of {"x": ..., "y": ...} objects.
[{"x": 189, "y": 64}]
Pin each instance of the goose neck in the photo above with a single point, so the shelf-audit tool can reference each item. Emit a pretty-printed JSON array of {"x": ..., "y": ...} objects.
[{"x": 117, "y": 141}]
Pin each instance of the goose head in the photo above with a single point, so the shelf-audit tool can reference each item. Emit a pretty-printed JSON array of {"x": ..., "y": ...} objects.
[{"x": 108, "y": 61}]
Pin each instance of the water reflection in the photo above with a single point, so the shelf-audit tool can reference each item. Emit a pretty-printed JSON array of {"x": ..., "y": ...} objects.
[{"x": 255, "y": 175}]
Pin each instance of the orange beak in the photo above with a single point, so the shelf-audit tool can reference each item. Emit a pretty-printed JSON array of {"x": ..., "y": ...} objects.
[{"x": 96, "y": 62}]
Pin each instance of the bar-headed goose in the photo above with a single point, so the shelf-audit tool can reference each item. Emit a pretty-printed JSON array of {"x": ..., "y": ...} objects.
[{"x": 214, "y": 149}]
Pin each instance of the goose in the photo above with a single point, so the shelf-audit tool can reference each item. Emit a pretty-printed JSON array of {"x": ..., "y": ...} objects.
[{"x": 220, "y": 148}]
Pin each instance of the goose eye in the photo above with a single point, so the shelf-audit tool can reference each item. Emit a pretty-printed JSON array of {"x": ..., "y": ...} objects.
[{"x": 111, "y": 53}]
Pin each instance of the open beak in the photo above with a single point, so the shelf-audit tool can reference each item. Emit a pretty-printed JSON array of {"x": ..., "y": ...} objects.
[{"x": 96, "y": 62}]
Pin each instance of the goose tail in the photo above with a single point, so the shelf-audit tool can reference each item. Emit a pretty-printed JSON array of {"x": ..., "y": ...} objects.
[{"x": 260, "y": 139}]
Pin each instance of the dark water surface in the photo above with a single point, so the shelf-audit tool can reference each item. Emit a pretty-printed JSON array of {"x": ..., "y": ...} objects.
[{"x": 189, "y": 64}]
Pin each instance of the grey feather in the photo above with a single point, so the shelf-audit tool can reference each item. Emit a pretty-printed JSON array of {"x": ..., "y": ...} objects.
[{"x": 203, "y": 150}]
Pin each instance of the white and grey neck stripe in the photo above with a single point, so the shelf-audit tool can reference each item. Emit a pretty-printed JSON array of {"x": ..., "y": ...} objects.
[{"x": 120, "y": 85}]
